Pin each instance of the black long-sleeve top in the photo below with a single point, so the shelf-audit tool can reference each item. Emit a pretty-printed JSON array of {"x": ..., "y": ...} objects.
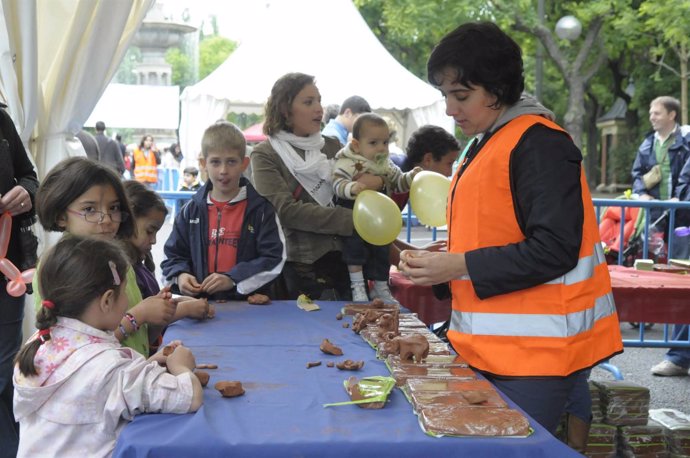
[{"x": 545, "y": 184}]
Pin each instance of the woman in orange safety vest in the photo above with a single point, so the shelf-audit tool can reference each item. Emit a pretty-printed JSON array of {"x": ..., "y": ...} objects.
[
  {"x": 532, "y": 308},
  {"x": 146, "y": 160}
]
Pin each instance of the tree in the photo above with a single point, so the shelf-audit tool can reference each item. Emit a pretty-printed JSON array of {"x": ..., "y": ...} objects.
[
  {"x": 125, "y": 72},
  {"x": 213, "y": 51},
  {"x": 670, "y": 23},
  {"x": 181, "y": 63}
]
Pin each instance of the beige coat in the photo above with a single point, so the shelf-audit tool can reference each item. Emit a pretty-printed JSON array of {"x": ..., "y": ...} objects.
[{"x": 311, "y": 230}]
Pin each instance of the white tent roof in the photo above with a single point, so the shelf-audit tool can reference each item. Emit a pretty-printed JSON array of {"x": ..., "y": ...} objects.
[
  {"x": 137, "y": 106},
  {"x": 325, "y": 38}
]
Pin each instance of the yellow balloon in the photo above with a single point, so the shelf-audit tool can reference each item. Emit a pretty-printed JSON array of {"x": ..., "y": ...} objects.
[
  {"x": 428, "y": 198},
  {"x": 377, "y": 218}
]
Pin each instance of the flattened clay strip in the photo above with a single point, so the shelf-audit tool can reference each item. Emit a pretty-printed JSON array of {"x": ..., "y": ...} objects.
[
  {"x": 207, "y": 366},
  {"x": 313, "y": 364},
  {"x": 330, "y": 364},
  {"x": 259, "y": 299},
  {"x": 349, "y": 365}
]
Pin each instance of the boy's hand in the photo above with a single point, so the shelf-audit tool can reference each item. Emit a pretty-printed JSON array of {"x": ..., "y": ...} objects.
[
  {"x": 188, "y": 284},
  {"x": 217, "y": 282},
  {"x": 181, "y": 360}
]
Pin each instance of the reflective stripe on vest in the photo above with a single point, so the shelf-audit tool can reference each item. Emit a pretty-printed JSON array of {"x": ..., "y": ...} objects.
[
  {"x": 584, "y": 268},
  {"x": 145, "y": 168},
  {"x": 533, "y": 325},
  {"x": 552, "y": 329}
]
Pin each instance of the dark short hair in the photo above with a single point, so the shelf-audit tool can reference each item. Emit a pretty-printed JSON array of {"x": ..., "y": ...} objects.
[
  {"x": 73, "y": 273},
  {"x": 69, "y": 179},
  {"x": 356, "y": 105},
  {"x": 428, "y": 139},
  {"x": 367, "y": 119},
  {"x": 482, "y": 55},
  {"x": 191, "y": 170},
  {"x": 100, "y": 126},
  {"x": 283, "y": 93}
]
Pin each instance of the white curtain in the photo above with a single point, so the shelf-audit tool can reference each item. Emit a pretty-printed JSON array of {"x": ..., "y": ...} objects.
[{"x": 56, "y": 59}]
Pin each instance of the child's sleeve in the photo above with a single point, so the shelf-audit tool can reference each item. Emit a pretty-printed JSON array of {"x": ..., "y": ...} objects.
[
  {"x": 271, "y": 253},
  {"x": 178, "y": 254},
  {"x": 401, "y": 181},
  {"x": 342, "y": 178},
  {"x": 139, "y": 386}
]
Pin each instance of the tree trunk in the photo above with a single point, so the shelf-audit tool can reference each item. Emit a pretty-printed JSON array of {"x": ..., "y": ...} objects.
[
  {"x": 592, "y": 161},
  {"x": 684, "y": 84},
  {"x": 575, "y": 114}
]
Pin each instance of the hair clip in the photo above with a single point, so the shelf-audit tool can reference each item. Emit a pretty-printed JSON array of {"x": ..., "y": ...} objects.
[
  {"x": 50, "y": 305},
  {"x": 116, "y": 276},
  {"x": 44, "y": 335}
]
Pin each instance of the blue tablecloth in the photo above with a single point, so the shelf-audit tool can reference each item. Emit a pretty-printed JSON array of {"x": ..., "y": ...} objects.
[{"x": 282, "y": 414}]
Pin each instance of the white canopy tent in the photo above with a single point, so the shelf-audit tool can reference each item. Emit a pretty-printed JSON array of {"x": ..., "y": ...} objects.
[
  {"x": 121, "y": 106},
  {"x": 325, "y": 38}
]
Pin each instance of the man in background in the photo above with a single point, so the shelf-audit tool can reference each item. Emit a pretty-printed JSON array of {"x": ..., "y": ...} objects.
[
  {"x": 109, "y": 151},
  {"x": 341, "y": 125}
]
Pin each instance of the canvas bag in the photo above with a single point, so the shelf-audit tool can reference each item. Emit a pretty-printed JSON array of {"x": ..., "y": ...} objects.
[{"x": 653, "y": 177}]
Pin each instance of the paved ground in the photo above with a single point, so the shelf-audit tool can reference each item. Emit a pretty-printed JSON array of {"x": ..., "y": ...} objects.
[{"x": 634, "y": 363}]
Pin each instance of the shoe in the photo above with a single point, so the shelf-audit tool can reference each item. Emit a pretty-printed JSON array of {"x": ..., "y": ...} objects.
[
  {"x": 381, "y": 291},
  {"x": 668, "y": 369},
  {"x": 359, "y": 292}
]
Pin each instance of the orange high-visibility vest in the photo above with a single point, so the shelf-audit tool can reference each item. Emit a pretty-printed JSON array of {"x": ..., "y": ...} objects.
[
  {"x": 145, "y": 168},
  {"x": 553, "y": 329}
]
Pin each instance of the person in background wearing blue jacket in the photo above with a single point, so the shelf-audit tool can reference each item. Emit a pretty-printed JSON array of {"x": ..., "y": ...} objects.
[{"x": 227, "y": 241}]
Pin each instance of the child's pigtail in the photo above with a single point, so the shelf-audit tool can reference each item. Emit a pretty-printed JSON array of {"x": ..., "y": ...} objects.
[{"x": 45, "y": 319}]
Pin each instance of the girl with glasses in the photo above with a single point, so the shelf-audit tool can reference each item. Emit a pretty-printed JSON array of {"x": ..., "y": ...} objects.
[{"x": 85, "y": 198}]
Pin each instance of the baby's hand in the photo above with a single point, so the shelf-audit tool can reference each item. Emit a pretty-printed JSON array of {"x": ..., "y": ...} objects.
[
  {"x": 181, "y": 360},
  {"x": 357, "y": 188},
  {"x": 188, "y": 284},
  {"x": 416, "y": 170}
]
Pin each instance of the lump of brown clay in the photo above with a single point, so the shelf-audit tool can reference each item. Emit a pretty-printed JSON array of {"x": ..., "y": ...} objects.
[
  {"x": 203, "y": 377},
  {"x": 313, "y": 364},
  {"x": 330, "y": 364},
  {"x": 167, "y": 350},
  {"x": 330, "y": 349},
  {"x": 346, "y": 325},
  {"x": 349, "y": 365},
  {"x": 207, "y": 366},
  {"x": 355, "y": 394},
  {"x": 339, "y": 316},
  {"x": 229, "y": 389},
  {"x": 259, "y": 299}
]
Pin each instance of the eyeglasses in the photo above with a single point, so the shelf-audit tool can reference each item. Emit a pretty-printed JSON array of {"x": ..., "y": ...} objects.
[{"x": 96, "y": 217}]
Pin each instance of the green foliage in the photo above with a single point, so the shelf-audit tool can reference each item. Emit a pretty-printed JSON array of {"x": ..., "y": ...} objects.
[
  {"x": 213, "y": 51},
  {"x": 125, "y": 73},
  {"x": 181, "y": 63}
]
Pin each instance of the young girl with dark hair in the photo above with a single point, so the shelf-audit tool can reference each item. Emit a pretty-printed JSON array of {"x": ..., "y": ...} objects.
[
  {"x": 148, "y": 213},
  {"x": 82, "y": 197},
  {"x": 75, "y": 386}
]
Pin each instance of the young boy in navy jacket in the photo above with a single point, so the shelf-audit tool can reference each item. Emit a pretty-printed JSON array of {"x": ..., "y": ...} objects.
[{"x": 227, "y": 241}]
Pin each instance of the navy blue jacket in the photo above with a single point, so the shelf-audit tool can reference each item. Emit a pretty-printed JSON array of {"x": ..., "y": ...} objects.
[
  {"x": 678, "y": 154},
  {"x": 261, "y": 249}
]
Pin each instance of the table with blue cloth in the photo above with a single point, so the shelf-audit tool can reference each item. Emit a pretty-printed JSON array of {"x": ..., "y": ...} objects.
[{"x": 267, "y": 348}]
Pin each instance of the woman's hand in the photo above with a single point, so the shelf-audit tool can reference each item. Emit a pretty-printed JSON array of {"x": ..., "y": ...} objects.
[
  {"x": 16, "y": 201},
  {"x": 431, "y": 268},
  {"x": 437, "y": 245}
]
